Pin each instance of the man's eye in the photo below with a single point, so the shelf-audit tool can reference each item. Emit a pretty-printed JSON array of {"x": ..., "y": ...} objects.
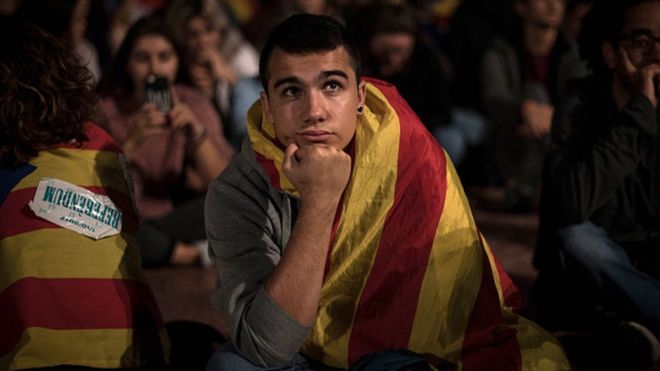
[
  {"x": 641, "y": 42},
  {"x": 291, "y": 91},
  {"x": 332, "y": 86},
  {"x": 140, "y": 57}
]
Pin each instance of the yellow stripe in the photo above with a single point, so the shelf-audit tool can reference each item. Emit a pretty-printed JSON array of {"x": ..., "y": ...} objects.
[
  {"x": 262, "y": 135},
  {"x": 452, "y": 279},
  {"x": 370, "y": 195},
  {"x": 81, "y": 167},
  {"x": 60, "y": 253},
  {"x": 540, "y": 351},
  {"x": 102, "y": 348},
  {"x": 493, "y": 267}
]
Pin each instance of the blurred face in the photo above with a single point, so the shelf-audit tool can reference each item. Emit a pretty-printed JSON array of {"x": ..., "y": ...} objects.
[
  {"x": 201, "y": 35},
  {"x": 391, "y": 51},
  {"x": 641, "y": 25},
  {"x": 546, "y": 13},
  {"x": 313, "y": 98},
  {"x": 79, "y": 21},
  {"x": 152, "y": 55}
]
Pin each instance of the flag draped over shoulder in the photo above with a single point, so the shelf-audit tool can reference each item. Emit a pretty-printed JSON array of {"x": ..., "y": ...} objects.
[
  {"x": 407, "y": 267},
  {"x": 66, "y": 298}
]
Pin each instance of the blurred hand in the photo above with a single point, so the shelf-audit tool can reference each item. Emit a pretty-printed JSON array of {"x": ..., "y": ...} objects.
[
  {"x": 318, "y": 171},
  {"x": 644, "y": 80},
  {"x": 149, "y": 120},
  {"x": 202, "y": 79},
  {"x": 219, "y": 67},
  {"x": 536, "y": 119},
  {"x": 183, "y": 118}
]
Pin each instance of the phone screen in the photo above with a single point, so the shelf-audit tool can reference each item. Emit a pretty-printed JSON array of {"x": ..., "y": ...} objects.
[{"x": 157, "y": 91}]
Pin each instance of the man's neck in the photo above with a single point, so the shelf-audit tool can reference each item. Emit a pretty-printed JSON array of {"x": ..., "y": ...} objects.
[{"x": 538, "y": 39}]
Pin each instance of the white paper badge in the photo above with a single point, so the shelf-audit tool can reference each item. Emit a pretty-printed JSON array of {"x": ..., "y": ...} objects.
[{"x": 76, "y": 208}]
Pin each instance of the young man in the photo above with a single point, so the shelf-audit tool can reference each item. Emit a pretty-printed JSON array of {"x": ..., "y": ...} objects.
[
  {"x": 599, "y": 246},
  {"x": 341, "y": 229}
]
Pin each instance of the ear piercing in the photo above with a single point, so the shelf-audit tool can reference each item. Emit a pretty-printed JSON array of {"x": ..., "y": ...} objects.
[{"x": 359, "y": 110}]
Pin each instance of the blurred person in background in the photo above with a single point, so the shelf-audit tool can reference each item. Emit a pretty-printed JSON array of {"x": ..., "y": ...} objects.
[
  {"x": 598, "y": 250},
  {"x": 218, "y": 59},
  {"x": 523, "y": 76},
  {"x": 66, "y": 20},
  {"x": 173, "y": 152},
  {"x": 66, "y": 297},
  {"x": 395, "y": 53}
]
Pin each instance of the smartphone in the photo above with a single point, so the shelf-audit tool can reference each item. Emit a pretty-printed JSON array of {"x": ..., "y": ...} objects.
[{"x": 157, "y": 91}]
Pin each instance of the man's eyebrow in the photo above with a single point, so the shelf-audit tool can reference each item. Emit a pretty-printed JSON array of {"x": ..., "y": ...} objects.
[
  {"x": 326, "y": 74},
  {"x": 640, "y": 30},
  {"x": 287, "y": 80}
]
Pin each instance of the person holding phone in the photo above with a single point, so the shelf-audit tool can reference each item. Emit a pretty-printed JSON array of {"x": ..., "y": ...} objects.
[{"x": 173, "y": 151}]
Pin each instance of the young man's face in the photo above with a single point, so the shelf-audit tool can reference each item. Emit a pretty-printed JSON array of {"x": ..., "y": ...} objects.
[{"x": 313, "y": 98}]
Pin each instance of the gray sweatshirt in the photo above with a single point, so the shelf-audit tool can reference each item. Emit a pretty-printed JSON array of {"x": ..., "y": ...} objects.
[{"x": 248, "y": 225}]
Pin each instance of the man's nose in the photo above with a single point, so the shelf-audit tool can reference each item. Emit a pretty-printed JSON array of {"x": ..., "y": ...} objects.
[
  {"x": 315, "y": 107},
  {"x": 655, "y": 51}
]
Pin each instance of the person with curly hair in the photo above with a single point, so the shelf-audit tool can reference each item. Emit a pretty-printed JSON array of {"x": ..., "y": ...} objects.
[{"x": 72, "y": 291}]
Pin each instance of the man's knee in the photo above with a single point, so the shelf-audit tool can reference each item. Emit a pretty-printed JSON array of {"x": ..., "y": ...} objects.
[
  {"x": 589, "y": 246},
  {"x": 227, "y": 358}
]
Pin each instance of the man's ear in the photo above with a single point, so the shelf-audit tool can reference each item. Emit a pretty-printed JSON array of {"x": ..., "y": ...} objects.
[
  {"x": 362, "y": 93},
  {"x": 609, "y": 54},
  {"x": 265, "y": 105}
]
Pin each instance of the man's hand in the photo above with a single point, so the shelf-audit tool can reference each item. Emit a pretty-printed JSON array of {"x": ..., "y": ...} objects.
[
  {"x": 536, "y": 119},
  {"x": 318, "y": 171},
  {"x": 644, "y": 80}
]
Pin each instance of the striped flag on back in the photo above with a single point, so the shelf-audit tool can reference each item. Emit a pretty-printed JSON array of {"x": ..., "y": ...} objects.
[{"x": 66, "y": 298}]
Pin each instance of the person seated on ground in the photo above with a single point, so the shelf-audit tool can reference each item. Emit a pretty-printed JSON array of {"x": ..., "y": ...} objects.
[
  {"x": 217, "y": 56},
  {"x": 397, "y": 55},
  {"x": 72, "y": 290},
  {"x": 522, "y": 77},
  {"x": 173, "y": 150},
  {"x": 341, "y": 229},
  {"x": 598, "y": 250}
]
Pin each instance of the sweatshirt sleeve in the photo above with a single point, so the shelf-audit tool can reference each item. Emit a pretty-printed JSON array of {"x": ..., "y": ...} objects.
[
  {"x": 587, "y": 178},
  {"x": 245, "y": 233}
]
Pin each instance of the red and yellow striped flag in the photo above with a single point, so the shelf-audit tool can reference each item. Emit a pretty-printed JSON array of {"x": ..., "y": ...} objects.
[
  {"x": 408, "y": 268},
  {"x": 66, "y": 298}
]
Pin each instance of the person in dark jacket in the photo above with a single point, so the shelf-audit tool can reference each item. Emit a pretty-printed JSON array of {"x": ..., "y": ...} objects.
[
  {"x": 523, "y": 76},
  {"x": 599, "y": 246}
]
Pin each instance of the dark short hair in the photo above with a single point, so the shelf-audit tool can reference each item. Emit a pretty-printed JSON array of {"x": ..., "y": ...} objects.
[
  {"x": 117, "y": 79},
  {"x": 46, "y": 92},
  {"x": 604, "y": 23},
  {"x": 306, "y": 34}
]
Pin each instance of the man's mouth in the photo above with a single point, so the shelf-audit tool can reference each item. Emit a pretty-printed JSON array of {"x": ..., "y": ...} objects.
[{"x": 314, "y": 136}]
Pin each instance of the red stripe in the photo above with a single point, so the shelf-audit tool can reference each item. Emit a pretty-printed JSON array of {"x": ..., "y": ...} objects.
[
  {"x": 98, "y": 139},
  {"x": 487, "y": 345},
  {"x": 16, "y": 217},
  {"x": 387, "y": 307},
  {"x": 510, "y": 292},
  {"x": 64, "y": 304},
  {"x": 271, "y": 170}
]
